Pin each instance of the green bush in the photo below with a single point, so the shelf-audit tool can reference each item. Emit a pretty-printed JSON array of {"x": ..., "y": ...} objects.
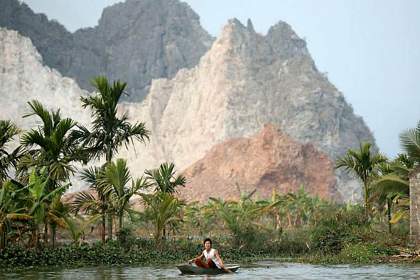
[
  {"x": 333, "y": 231},
  {"x": 364, "y": 253}
]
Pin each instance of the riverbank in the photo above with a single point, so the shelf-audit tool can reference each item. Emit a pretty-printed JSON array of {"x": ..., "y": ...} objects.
[{"x": 144, "y": 252}]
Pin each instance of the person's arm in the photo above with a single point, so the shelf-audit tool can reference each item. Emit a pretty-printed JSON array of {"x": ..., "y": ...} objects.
[
  {"x": 222, "y": 265},
  {"x": 219, "y": 259},
  {"x": 198, "y": 257}
]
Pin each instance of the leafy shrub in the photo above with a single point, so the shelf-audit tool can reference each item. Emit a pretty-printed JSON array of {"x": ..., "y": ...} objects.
[{"x": 330, "y": 234}]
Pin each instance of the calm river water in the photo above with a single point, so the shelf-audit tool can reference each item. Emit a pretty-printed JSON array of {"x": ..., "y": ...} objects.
[{"x": 261, "y": 270}]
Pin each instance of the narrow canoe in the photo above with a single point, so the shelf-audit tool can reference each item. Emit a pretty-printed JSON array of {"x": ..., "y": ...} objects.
[{"x": 192, "y": 269}]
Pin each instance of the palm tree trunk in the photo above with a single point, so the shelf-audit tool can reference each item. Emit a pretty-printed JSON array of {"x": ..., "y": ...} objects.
[
  {"x": 365, "y": 185},
  {"x": 103, "y": 228},
  {"x": 289, "y": 218},
  {"x": 53, "y": 234},
  {"x": 3, "y": 239},
  {"x": 35, "y": 237},
  {"x": 120, "y": 221},
  {"x": 389, "y": 204},
  {"x": 45, "y": 232},
  {"x": 110, "y": 226}
]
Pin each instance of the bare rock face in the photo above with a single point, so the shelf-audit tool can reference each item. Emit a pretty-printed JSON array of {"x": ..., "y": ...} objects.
[
  {"x": 135, "y": 41},
  {"x": 247, "y": 80},
  {"x": 23, "y": 78},
  {"x": 267, "y": 161}
]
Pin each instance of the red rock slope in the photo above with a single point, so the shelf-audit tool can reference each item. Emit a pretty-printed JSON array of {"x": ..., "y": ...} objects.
[{"x": 266, "y": 161}]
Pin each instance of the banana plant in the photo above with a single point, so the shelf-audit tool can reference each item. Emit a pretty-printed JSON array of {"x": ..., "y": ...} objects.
[
  {"x": 39, "y": 198},
  {"x": 11, "y": 210}
]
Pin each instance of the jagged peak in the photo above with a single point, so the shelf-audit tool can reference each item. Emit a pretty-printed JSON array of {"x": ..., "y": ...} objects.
[
  {"x": 284, "y": 30},
  {"x": 137, "y": 7},
  {"x": 236, "y": 23},
  {"x": 235, "y": 27},
  {"x": 285, "y": 41},
  {"x": 250, "y": 26}
]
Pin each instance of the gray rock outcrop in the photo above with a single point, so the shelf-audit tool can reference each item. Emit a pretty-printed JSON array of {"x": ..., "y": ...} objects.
[{"x": 135, "y": 41}]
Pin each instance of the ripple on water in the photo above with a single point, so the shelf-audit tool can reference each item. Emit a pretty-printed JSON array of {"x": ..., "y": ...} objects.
[{"x": 260, "y": 270}]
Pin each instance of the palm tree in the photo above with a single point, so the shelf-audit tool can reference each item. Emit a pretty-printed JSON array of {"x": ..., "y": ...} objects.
[
  {"x": 114, "y": 182},
  {"x": 240, "y": 217},
  {"x": 54, "y": 144},
  {"x": 410, "y": 141},
  {"x": 393, "y": 184},
  {"x": 162, "y": 209},
  {"x": 8, "y": 130},
  {"x": 77, "y": 226},
  {"x": 92, "y": 204},
  {"x": 57, "y": 212},
  {"x": 164, "y": 178},
  {"x": 364, "y": 164},
  {"x": 109, "y": 131}
]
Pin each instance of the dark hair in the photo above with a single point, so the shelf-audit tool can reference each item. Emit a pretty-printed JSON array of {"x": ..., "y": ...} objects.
[{"x": 209, "y": 240}]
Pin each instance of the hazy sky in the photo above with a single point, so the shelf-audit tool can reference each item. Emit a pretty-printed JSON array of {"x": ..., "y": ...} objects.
[{"x": 370, "y": 48}]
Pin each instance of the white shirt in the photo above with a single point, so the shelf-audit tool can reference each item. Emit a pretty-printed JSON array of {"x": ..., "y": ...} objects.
[{"x": 211, "y": 255}]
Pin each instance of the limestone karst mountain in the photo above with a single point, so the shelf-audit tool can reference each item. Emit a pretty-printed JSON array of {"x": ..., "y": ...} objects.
[
  {"x": 23, "y": 78},
  {"x": 267, "y": 161},
  {"x": 135, "y": 41},
  {"x": 247, "y": 80}
]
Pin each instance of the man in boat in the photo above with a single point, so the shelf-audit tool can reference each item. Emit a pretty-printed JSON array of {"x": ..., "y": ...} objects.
[{"x": 211, "y": 257}]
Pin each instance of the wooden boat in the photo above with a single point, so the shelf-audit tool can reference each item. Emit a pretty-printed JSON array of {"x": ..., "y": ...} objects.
[{"x": 193, "y": 269}]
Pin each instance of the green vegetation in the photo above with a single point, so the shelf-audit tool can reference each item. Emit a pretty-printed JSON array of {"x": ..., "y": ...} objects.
[{"x": 38, "y": 228}]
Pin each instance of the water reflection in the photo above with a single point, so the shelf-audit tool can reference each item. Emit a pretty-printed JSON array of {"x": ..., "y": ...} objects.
[{"x": 261, "y": 270}]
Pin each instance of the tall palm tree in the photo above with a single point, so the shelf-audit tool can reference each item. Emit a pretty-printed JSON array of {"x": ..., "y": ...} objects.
[
  {"x": 164, "y": 178},
  {"x": 410, "y": 141},
  {"x": 54, "y": 145},
  {"x": 364, "y": 164},
  {"x": 114, "y": 182},
  {"x": 8, "y": 130},
  {"x": 109, "y": 131}
]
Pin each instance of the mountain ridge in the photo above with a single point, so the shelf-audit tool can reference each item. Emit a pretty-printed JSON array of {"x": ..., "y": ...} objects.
[{"x": 135, "y": 41}]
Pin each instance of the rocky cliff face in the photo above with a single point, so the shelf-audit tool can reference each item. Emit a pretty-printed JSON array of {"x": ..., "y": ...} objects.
[
  {"x": 23, "y": 78},
  {"x": 267, "y": 161},
  {"x": 244, "y": 81},
  {"x": 135, "y": 41}
]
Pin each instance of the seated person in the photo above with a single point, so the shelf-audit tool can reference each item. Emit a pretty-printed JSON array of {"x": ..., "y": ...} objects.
[{"x": 212, "y": 257}]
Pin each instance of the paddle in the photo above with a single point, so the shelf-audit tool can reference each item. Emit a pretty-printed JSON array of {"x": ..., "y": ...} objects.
[{"x": 226, "y": 270}]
